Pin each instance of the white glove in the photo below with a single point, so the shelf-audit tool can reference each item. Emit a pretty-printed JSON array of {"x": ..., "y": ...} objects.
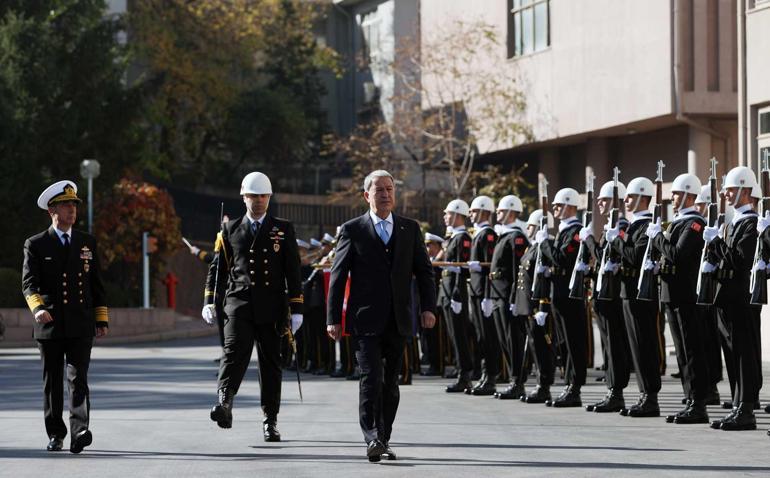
[
  {"x": 453, "y": 269},
  {"x": 541, "y": 236},
  {"x": 456, "y": 306},
  {"x": 763, "y": 222},
  {"x": 513, "y": 309},
  {"x": 209, "y": 314},
  {"x": 296, "y": 323},
  {"x": 581, "y": 266},
  {"x": 710, "y": 233},
  {"x": 586, "y": 231},
  {"x": 611, "y": 267},
  {"x": 653, "y": 229},
  {"x": 194, "y": 250},
  {"x": 708, "y": 267},
  {"x": 612, "y": 233},
  {"x": 486, "y": 307},
  {"x": 474, "y": 266},
  {"x": 651, "y": 266},
  {"x": 543, "y": 270},
  {"x": 540, "y": 318},
  {"x": 760, "y": 266}
]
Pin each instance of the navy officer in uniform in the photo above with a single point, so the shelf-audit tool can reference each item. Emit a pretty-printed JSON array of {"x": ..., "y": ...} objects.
[
  {"x": 260, "y": 262},
  {"x": 62, "y": 285}
]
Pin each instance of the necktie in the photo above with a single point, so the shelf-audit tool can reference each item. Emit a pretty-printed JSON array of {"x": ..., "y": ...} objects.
[
  {"x": 66, "y": 238},
  {"x": 254, "y": 228},
  {"x": 383, "y": 233}
]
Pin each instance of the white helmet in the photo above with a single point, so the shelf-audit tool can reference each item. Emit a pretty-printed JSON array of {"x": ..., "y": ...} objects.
[
  {"x": 256, "y": 183},
  {"x": 483, "y": 203},
  {"x": 705, "y": 195},
  {"x": 510, "y": 203},
  {"x": 566, "y": 196},
  {"x": 537, "y": 214},
  {"x": 756, "y": 192},
  {"x": 640, "y": 186},
  {"x": 457, "y": 206},
  {"x": 686, "y": 183},
  {"x": 740, "y": 177},
  {"x": 606, "y": 191}
]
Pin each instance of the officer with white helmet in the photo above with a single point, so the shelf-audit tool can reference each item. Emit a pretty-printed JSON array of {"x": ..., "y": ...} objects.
[
  {"x": 453, "y": 293},
  {"x": 641, "y": 316},
  {"x": 570, "y": 314},
  {"x": 260, "y": 262},
  {"x": 510, "y": 247},
  {"x": 735, "y": 255},
  {"x": 609, "y": 310},
  {"x": 680, "y": 250},
  {"x": 487, "y": 351}
]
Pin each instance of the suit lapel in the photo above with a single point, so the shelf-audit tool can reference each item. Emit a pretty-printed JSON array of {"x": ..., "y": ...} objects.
[
  {"x": 368, "y": 225},
  {"x": 398, "y": 229}
]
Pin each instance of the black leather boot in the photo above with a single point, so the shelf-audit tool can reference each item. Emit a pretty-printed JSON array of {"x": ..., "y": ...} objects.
[
  {"x": 549, "y": 403},
  {"x": 571, "y": 399},
  {"x": 671, "y": 418},
  {"x": 626, "y": 411},
  {"x": 612, "y": 404},
  {"x": 648, "y": 408},
  {"x": 222, "y": 413},
  {"x": 270, "y": 429},
  {"x": 695, "y": 413},
  {"x": 462, "y": 384},
  {"x": 540, "y": 394},
  {"x": 513, "y": 392},
  {"x": 486, "y": 389},
  {"x": 742, "y": 419}
]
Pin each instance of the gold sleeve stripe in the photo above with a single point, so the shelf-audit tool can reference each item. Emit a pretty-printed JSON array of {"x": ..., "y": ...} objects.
[
  {"x": 298, "y": 300},
  {"x": 101, "y": 314},
  {"x": 208, "y": 293},
  {"x": 34, "y": 301},
  {"x": 218, "y": 242}
]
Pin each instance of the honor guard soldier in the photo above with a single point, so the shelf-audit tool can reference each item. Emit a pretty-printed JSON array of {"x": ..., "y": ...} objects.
[
  {"x": 733, "y": 256},
  {"x": 640, "y": 315},
  {"x": 511, "y": 331},
  {"x": 431, "y": 340},
  {"x": 61, "y": 281},
  {"x": 487, "y": 348},
  {"x": 537, "y": 314},
  {"x": 260, "y": 261},
  {"x": 680, "y": 250},
  {"x": 570, "y": 314},
  {"x": 454, "y": 292},
  {"x": 607, "y": 303}
]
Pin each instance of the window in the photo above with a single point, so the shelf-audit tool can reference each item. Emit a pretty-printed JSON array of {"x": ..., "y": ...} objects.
[
  {"x": 764, "y": 122},
  {"x": 528, "y": 26}
]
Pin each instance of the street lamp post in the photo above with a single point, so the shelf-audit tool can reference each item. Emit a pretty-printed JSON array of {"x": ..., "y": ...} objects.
[{"x": 89, "y": 169}]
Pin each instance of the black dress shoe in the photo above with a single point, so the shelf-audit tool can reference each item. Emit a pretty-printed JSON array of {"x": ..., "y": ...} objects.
[
  {"x": 270, "y": 431},
  {"x": 571, "y": 399},
  {"x": 389, "y": 454},
  {"x": 742, "y": 419},
  {"x": 513, "y": 392},
  {"x": 222, "y": 413},
  {"x": 695, "y": 414},
  {"x": 55, "y": 444},
  {"x": 487, "y": 389},
  {"x": 540, "y": 394},
  {"x": 612, "y": 404},
  {"x": 80, "y": 441},
  {"x": 458, "y": 387},
  {"x": 374, "y": 450}
]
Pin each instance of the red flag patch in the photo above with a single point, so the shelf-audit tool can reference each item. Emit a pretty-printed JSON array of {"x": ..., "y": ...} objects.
[
  {"x": 466, "y": 243},
  {"x": 570, "y": 248},
  {"x": 518, "y": 241},
  {"x": 576, "y": 237},
  {"x": 490, "y": 237},
  {"x": 696, "y": 226}
]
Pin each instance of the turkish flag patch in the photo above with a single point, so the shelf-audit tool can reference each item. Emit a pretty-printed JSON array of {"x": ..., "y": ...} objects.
[
  {"x": 518, "y": 241},
  {"x": 490, "y": 237},
  {"x": 466, "y": 243},
  {"x": 576, "y": 237},
  {"x": 696, "y": 226},
  {"x": 570, "y": 248}
]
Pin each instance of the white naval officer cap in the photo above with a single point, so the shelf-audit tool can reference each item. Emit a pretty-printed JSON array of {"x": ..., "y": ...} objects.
[
  {"x": 60, "y": 191},
  {"x": 303, "y": 244},
  {"x": 433, "y": 238},
  {"x": 327, "y": 239},
  {"x": 315, "y": 242}
]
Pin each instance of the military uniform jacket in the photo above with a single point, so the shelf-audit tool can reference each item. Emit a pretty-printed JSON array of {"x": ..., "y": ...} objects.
[
  {"x": 67, "y": 285},
  {"x": 630, "y": 248},
  {"x": 262, "y": 272},
  {"x": 735, "y": 256},
  {"x": 561, "y": 255},
  {"x": 598, "y": 249},
  {"x": 482, "y": 249},
  {"x": 680, "y": 258},
  {"x": 505, "y": 263},
  {"x": 453, "y": 284},
  {"x": 521, "y": 295}
]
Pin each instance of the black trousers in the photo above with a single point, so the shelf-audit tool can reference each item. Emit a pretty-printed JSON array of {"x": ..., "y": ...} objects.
[
  {"x": 486, "y": 341},
  {"x": 570, "y": 318},
  {"x": 76, "y": 353},
  {"x": 459, "y": 330},
  {"x": 543, "y": 344},
  {"x": 512, "y": 335},
  {"x": 676, "y": 335},
  {"x": 380, "y": 358},
  {"x": 691, "y": 321},
  {"x": 430, "y": 342},
  {"x": 240, "y": 337},
  {"x": 618, "y": 355},
  {"x": 713, "y": 346},
  {"x": 642, "y": 327},
  {"x": 601, "y": 325},
  {"x": 741, "y": 324}
]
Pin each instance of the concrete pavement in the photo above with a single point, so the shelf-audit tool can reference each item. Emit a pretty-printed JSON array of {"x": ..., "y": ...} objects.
[{"x": 150, "y": 407}]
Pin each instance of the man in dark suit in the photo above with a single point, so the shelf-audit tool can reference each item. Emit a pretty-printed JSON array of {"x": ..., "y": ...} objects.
[
  {"x": 381, "y": 252},
  {"x": 62, "y": 284},
  {"x": 260, "y": 262}
]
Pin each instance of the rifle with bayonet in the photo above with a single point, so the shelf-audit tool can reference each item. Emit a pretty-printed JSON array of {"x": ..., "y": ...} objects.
[
  {"x": 540, "y": 283},
  {"x": 706, "y": 288},
  {"x": 648, "y": 283},
  {"x": 577, "y": 282},
  {"x": 606, "y": 286},
  {"x": 758, "y": 287}
]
